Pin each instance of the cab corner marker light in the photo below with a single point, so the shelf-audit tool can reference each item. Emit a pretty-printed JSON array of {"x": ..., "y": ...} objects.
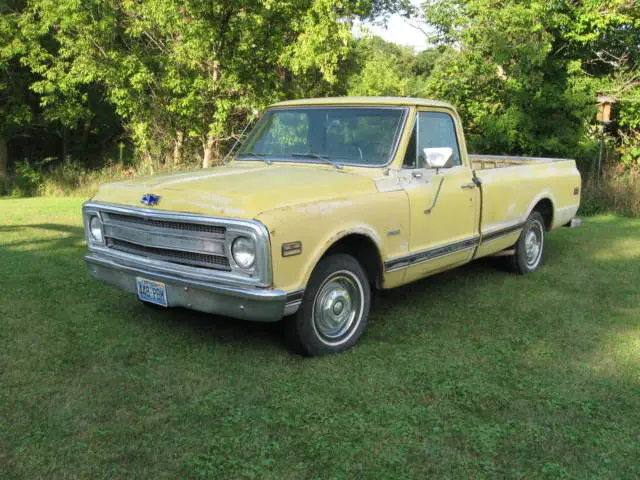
[{"x": 291, "y": 248}]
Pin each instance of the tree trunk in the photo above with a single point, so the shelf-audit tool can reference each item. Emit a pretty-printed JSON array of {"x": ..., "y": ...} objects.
[
  {"x": 86, "y": 128},
  {"x": 65, "y": 142},
  {"x": 177, "y": 149},
  {"x": 4, "y": 158},
  {"x": 147, "y": 160},
  {"x": 210, "y": 152}
]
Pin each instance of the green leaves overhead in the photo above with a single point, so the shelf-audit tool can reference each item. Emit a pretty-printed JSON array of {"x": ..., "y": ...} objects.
[
  {"x": 525, "y": 74},
  {"x": 172, "y": 67},
  {"x": 174, "y": 75}
]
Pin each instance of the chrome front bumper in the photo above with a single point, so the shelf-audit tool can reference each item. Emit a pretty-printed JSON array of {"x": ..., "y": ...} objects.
[{"x": 247, "y": 303}]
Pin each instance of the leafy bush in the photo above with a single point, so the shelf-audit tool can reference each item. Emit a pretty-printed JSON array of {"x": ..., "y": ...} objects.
[
  {"x": 73, "y": 179},
  {"x": 69, "y": 178},
  {"x": 630, "y": 155},
  {"x": 28, "y": 179},
  {"x": 617, "y": 192}
]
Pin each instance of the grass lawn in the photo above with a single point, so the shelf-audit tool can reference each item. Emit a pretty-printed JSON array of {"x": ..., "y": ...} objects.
[{"x": 475, "y": 373}]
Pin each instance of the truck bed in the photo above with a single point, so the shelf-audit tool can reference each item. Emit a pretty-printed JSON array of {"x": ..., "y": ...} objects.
[{"x": 487, "y": 162}]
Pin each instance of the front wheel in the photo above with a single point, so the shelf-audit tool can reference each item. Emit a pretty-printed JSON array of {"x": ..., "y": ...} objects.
[
  {"x": 334, "y": 310},
  {"x": 530, "y": 246}
]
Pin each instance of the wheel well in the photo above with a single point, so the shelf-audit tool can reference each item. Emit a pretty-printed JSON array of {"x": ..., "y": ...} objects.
[
  {"x": 363, "y": 249},
  {"x": 545, "y": 208}
]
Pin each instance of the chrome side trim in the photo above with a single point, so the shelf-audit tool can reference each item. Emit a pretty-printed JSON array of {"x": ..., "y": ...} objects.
[
  {"x": 516, "y": 159},
  {"x": 489, "y": 237},
  {"x": 447, "y": 249},
  {"x": 295, "y": 295},
  {"x": 430, "y": 254}
]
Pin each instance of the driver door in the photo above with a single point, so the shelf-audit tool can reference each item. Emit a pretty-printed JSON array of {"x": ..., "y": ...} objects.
[{"x": 444, "y": 202}]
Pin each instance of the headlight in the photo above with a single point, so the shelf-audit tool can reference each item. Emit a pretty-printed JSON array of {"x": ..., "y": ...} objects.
[
  {"x": 95, "y": 228},
  {"x": 243, "y": 250}
]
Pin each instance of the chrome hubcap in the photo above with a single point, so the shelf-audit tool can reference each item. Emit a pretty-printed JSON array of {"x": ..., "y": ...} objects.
[
  {"x": 533, "y": 244},
  {"x": 338, "y": 305}
]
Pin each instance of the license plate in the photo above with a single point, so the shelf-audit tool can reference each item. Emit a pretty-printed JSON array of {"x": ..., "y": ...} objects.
[{"x": 152, "y": 292}]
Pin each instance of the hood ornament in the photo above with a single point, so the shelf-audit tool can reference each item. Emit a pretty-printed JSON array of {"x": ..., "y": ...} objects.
[{"x": 150, "y": 199}]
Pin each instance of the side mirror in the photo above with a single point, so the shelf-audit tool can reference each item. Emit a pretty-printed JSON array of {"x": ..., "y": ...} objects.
[{"x": 437, "y": 157}]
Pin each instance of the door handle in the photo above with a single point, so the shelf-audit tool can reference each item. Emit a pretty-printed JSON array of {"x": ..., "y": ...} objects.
[
  {"x": 416, "y": 174},
  {"x": 468, "y": 185}
]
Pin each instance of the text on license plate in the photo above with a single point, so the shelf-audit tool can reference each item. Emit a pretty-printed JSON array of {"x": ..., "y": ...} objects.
[{"x": 150, "y": 291}]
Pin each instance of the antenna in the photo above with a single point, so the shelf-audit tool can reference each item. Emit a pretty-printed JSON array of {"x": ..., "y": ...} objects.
[{"x": 254, "y": 113}]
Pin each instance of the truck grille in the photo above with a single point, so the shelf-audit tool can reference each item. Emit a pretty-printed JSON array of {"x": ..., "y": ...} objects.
[
  {"x": 185, "y": 243},
  {"x": 185, "y": 258},
  {"x": 184, "y": 226}
]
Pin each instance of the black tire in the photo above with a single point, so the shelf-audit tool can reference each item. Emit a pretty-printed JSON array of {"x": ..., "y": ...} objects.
[
  {"x": 528, "y": 257},
  {"x": 342, "y": 284}
]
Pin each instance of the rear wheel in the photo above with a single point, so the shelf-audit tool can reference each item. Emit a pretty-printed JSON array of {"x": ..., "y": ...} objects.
[
  {"x": 530, "y": 246},
  {"x": 334, "y": 310}
]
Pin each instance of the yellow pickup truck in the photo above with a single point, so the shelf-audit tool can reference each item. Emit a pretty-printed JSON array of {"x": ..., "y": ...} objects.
[{"x": 326, "y": 200}]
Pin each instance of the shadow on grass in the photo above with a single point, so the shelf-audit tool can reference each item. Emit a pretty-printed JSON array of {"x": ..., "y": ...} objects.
[
  {"x": 75, "y": 235},
  {"x": 199, "y": 327},
  {"x": 70, "y": 249},
  {"x": 462, "y": 286}
]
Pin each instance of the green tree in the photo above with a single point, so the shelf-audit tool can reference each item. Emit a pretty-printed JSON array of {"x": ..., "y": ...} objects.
[
  {"x": 14, "y": 81},
  {"x": 384, "y": 68},
  {"x": 179, "y": 70},
  {"x": 508, "y": 69},
  {"x": 525, "y": 74}
]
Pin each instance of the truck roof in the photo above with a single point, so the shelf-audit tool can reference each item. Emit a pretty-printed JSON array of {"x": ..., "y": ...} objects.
[{"x": 391, "y": 101}]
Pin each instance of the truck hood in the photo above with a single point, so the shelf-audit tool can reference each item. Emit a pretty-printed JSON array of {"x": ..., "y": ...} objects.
[{"x": 240, "y": 191}]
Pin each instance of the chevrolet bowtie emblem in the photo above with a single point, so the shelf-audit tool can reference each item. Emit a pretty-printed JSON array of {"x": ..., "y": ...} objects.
[{"x": 150, "y": 199}]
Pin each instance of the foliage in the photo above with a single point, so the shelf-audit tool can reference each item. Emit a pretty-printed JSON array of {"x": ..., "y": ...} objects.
[
  {"x": 384, "y": 68},
  {"x": 511, "y": 70},
  {"x": 69, "y": 178},
  {"x": 29, "y": 179},
  {"x": 628, "y": 114},
  {"x": 180, "y": 71},
  {"x": 173, "y": 82},
  {"x": 617, "y": 192}
]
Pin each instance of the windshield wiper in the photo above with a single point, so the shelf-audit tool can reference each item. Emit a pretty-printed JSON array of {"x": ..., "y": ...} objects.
[
  {"x": 256, "y": 154},
  {"x": 325, "y": 158},
  {"x": 251, "y": 154}
]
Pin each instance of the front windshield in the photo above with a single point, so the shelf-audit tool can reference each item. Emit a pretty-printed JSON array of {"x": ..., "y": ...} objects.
[{"x": 357, "y": 136}]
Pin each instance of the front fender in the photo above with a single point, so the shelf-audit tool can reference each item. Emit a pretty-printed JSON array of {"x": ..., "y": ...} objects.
[{"x": 382, "y": 217}]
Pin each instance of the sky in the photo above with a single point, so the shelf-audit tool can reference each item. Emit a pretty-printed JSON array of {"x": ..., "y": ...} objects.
[{"x": 399, "y": 31}]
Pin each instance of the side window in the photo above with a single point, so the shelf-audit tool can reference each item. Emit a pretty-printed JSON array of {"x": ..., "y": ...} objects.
[{"x": 437, "y": 129}]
